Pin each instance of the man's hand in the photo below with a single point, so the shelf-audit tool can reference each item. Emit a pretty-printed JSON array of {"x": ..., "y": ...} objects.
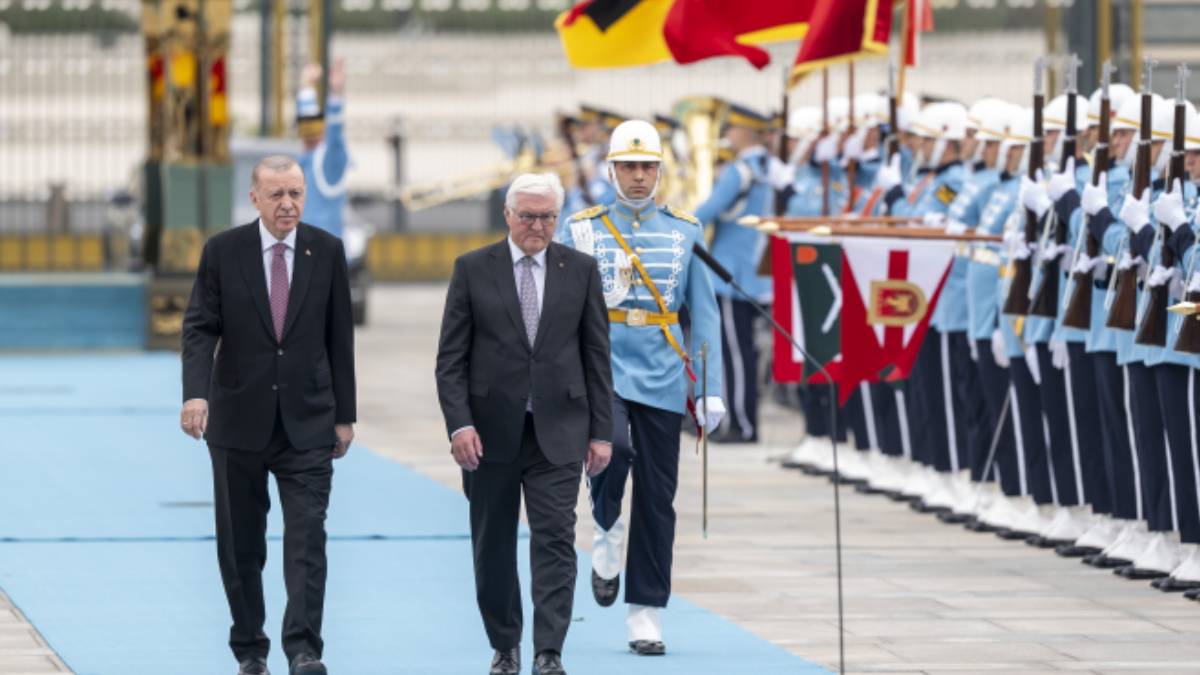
[
  {"x": 345, "y": 436},
  {"x": 888, "y": 175},
  {"x": 337, "y": 77},
  {"x": 1062, "y": 182},
  {"x": 310, "y": 75},
  {"x": 467, "y": 449},
  {"x": 1095, "y": 197},
  {"x": 194, "y": 418},
  {"x": 599, "y": 454}
]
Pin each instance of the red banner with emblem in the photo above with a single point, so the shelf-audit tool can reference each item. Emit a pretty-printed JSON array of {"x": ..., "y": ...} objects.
[{"x": 889, "y": 289}]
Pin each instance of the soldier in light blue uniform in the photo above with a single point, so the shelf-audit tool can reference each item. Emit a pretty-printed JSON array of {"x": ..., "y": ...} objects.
[
  {"x": 634, "y": 239},
  {"x": 596, "y": 125},
  {"x": 932, "y": 421},
  {"x": 325, "y": 158},
  {"x": 742, "y": 188}
]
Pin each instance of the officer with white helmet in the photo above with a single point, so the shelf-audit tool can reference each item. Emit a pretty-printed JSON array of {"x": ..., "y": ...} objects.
[{"x": 649, "y": 274}]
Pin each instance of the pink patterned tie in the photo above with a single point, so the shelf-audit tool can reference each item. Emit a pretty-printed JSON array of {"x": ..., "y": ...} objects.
[{"x": 279, "y": 288}]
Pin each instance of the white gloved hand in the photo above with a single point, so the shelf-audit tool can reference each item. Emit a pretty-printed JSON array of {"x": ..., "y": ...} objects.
[
  {"x": 999, "y": 349},
  {"x": 1168, "y": 210},
  {"x": 1135, "y": 213},
  {"x": 1162, "y": 275},
  {"x": 1062, "y": 182},
  {"x": 1058, "y": 354},
  {"x": 852, "y": 149},
  {"x": 888, "y": 175},
  {"x": 779, "y": 174},
  {"x": 955, "y": 227},
  {"x": 826, "y": 150},
  {"x": 716, "y": 412},
  {"x": 1033, "y": 195},
  {"x": 933, "y": 219},
  {"x": 1052, "y": 251},
  {"x": 1095, "y": 197},
  {"x": 1031, "y": 362}
]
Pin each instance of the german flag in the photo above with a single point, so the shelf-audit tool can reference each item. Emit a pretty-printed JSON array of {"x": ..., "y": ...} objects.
[{"x": 620, "y": 33}]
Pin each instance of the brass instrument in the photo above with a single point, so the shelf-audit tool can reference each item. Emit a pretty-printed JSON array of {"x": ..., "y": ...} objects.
[{"x": 701, "y": 118}]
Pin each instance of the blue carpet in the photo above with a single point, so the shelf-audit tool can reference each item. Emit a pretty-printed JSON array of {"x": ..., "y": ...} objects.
[{"x": 105, "y": 544}]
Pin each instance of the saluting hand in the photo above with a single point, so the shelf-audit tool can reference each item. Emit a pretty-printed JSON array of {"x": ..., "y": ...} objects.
[{"x": 467, "y": 449}]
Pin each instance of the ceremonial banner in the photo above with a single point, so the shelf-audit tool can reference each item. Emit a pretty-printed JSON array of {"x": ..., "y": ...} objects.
[
  {"x": 620, "y": 33},
  {"x": 878, "y": 313},
  {"x": 843, "y": 30}
]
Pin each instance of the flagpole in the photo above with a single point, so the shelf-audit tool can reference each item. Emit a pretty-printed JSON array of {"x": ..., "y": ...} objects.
[
  {"x": 851, "y": 164},
  {"x": 906, "y": 40},
  {"x": 825, "y": 132}
]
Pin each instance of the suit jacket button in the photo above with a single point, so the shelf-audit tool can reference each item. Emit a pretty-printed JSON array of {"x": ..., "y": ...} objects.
[
  {"x": 274, "y": 387},
  {"x": 280, "y": 352}
]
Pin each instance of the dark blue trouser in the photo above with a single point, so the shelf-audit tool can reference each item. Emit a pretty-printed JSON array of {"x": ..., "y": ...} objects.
[
  {"x": 740, "y": 359},
  {"x": 891, "y": 423},
  {"x": 1084, "y": 407},
  {"x": 994, "y": 384},
  {"x": 1151, "y": 447},
  {"x": 948, "y": 418},
  {"x": 816, "y": 400},
  {"x": 1031, "y": 438},
  {"x": 1063, "y": 458},
  {"x": 1177, "y": 391},
  {"x": 646, "y": 444},
  {"x": 1116, "y": 435}
]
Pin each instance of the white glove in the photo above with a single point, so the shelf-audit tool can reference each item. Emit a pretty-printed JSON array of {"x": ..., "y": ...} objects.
[
  {"x": 1135, "y": 213},
  {"x": 826, "y": 150},
  {"x": 1168, "y": 210},
  {"x": 1162, "y": 275},
  {"x": 888, "y": 175},
  {"x": 1058, "y": 354},
  {"x": 1127, "y": 261},
  {"x": 1062, "y": 182},
  {"x": 1052, "y": 251},
  {"x": 955, "y": 227},
  {"x": 999, "y": 350},
  {"x": 934, "y": 219},
  {"x": 852, "y": 150},
  {"x": 779, "y": 174},
  {"x": 1033, "y": 195},
  {"x": 1086, "y": 265},
  {"x": 1031, "y": 362},
  {"x": 716, "y": 412},
  {"x": 1095, "y": 197}
]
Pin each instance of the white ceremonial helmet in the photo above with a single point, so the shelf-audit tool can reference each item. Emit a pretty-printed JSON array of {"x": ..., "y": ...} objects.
[
  {"x": 839, "y": 113},
  {"x": 908, "y": 108},
  {"x": 804, "y": 121},
  {"x": 870, "y": 110},
  {"x": 980, "y": 108},
  {"x": 1129, "y": 116},
  {"x": 1054, "y": 115},
  {"x": 1163, "y": 129},
  {"x": 634, "y": 141},
  {"x": 1019, "y": 133},
  {"x": 992, "y": 120},
  {"x": 1117, "y": 95}
]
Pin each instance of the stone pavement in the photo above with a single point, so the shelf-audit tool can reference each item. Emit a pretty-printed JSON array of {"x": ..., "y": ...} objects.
[{"x": 921, "y": 597}]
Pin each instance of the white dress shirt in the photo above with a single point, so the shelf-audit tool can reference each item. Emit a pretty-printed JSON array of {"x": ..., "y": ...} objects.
[
  {"x": 539, "y": 271},
  {"x": 268, "y": 243}
]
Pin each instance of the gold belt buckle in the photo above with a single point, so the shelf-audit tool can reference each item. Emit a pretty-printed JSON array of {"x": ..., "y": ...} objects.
[{"x": 635, "y": 317}]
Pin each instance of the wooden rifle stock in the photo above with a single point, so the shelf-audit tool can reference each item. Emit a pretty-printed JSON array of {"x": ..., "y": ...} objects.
[
  {"x": 1045, "y": 299},
  {"x": 1079, "y": 307},
  {"x": 1017, "y": 302},
  {"x": 1123, "y": 312}
]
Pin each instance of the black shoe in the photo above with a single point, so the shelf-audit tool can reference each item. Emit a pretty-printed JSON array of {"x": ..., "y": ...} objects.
[
  {"x": 1138, "y": 574},
  {"x": 1193, "y": 594},
  {"x": 921, "y": 507},
  {"x": 1173, "y": 585},
  {"x": 731, "y": 436},
  {"x": 1104, "y": 562},
  {"x": 307, "y": 664},
  {"x": 868, "y": 489},
  {"x": 1073, "y": 551},
  {"x": 648, "y": 647},
  {"x": 1038, "y": 541},
  {"x": 952, "y": 518},
  {"x": 605, "y": 590},
  {"x": 548, "y": 663},
  {"x": 506, "y": 662},
  {"x": 253, "y": 666},
  {"x": 1014, "y": 535}
]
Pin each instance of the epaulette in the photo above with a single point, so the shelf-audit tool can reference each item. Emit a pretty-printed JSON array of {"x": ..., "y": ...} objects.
[
  {"x": 589, "y": 213},
  {"x": 682, "y": 215},
  {"x": 946, "y": 194}
]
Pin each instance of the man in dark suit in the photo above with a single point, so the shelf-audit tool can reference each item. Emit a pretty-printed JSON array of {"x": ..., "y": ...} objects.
[
  {"x": 525, "y": 385},
  {"x": 268, "y": 381}
]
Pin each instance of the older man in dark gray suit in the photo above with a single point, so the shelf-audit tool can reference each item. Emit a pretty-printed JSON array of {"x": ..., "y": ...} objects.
[{"x": 525, "y": 385}]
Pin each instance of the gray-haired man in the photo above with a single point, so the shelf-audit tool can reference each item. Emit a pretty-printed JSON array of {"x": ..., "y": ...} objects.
[{"x": 525, "y": 386}]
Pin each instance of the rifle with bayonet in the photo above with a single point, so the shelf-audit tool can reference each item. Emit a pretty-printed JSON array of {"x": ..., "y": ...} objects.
[
  {"x": 566, "y": 130},
  {"x": 1017, "y": 302},
  {"x": 1045, "y": 299},
  {"x": 1122, "y": 313},
  {"x": 1153, "y": 330},
  {"x": 1079, "y": 307}
]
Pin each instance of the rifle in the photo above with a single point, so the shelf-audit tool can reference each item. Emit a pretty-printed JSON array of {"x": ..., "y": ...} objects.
[
  {"x": 566, "y": 127},
  {"x": 1153, "y": 330},
  {"x": 1123, "y": 311},
  {"x": 1079, "y": 308},
  {"x": 892, "y": 142},
  {"x": 1045, "y": 299},
  {"x": 1017, "y": 302}
]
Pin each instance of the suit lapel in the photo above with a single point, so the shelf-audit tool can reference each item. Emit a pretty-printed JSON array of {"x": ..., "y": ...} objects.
[
  {"x": 255, "y": 275},
  {"x": 302, "y": 268},
  {"x": 556, "y": 271},
  {"x": 506, "y": 287}
]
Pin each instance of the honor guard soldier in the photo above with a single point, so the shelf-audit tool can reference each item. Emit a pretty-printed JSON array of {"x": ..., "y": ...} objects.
[
  {"x": 325, "y": 158},
  {"x": 742, "y": 188},
  {"x": 649, "y": 274},
  {"x": 596, "y": 125}
]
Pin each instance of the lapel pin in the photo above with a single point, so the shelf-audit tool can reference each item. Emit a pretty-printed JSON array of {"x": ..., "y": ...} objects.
[
  {"x": 561, "y": 265},
  {"x": 307, "y": 252}
]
